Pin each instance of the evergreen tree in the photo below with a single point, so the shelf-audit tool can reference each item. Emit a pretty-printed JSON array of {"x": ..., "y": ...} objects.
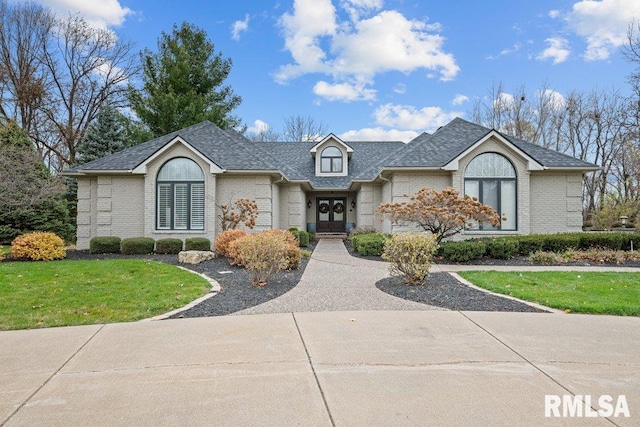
[
  {"x": 183, "y": 83},
  {"x": 105, "y": 136}
]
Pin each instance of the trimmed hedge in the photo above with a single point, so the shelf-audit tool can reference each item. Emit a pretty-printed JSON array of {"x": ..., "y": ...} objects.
[
  {"x": 463, "y": 251},
  {"x": 370, "y": 244},
  {"x": 197, "y": 244},
  {"x": 168, "y": 246},
  {"x": 137, "y": 246},
  {"x": 502, "y": 248},
  {"x": 104, "y": 245}
]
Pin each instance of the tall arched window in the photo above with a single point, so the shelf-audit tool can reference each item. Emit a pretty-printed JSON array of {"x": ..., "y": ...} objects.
[
  {"x": 180, "y": 196},
  {"x": 331, "y": 160},
  {"x": 491, "y": 178}
]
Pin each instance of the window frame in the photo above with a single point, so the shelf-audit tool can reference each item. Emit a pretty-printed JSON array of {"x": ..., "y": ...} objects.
[
  {"x": 172, "y": 217},
  {"x": 499, "y": 180},
  {"x": 331, "y": 159}
]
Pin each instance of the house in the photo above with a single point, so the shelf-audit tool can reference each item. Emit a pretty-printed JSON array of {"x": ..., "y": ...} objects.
[{"x": 172, "y": 186}]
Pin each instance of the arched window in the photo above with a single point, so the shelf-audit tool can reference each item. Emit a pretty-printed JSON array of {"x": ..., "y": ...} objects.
[
  {"x": 491, "y": 178},
  {"x": 180, "y": 196},
  {"x": 331, "y": 160}
]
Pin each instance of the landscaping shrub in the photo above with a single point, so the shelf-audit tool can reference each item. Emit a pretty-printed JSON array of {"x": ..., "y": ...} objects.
[
  {"x": 560, "y": 242},
  {"x": 543, "y": 258},
  {"x": 528, "y": 244},
  {"x": 371, "y": 244},
  {"x": 463, "y": 251},
  {"x": 410, "y": 255},
  {"x": 104, "y": 245},
  {"x": 303, "y": 239},
  {"x": 613, "y": 241},
  {"x": 224, "y": 239},
  {"x": 631, "y": 240},
  {"x": 38, "y": 246},
  {"x": 168, "y": 246},
  {"x": 2, "y": 253},
  {"x": 502, "y": 248},
  {"x": 137, "y": 246},
  {"x": 197, "y": 244},
  {"x": 264, "y": 254},
  {"x": 293, "y": 252},
  {"x": 361, "y": 230}
]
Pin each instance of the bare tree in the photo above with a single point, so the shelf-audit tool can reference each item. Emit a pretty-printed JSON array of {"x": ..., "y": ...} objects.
[
  {"x": 295, "y": 129},
  {"x": 88, "y": 68},
  {"x": 56, "y": 74},
  {"x": 23, "y": 81}
]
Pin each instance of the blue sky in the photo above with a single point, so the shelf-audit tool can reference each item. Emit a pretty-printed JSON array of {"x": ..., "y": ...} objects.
[{"x": 386, "y": 69}]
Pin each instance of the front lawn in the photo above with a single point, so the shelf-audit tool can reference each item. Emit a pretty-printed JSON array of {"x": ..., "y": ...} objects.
[
  {"x": 580, "y": 292},
  {"x": 61, "y": 293}
]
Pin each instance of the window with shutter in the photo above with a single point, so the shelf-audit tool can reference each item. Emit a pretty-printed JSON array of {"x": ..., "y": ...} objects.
[{"x": 180, "y": 196}]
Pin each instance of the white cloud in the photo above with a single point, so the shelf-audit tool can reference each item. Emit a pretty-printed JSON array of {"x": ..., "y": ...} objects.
[
  {"x": 344, "y": 91},
  {"x": 98, "y": 13},
  {"x": 410, "y": 117},
  {"x": 558, "y": 50},
  {"x": 239, "y": 27},
  {"x": 258, "y": 127},
  {"x": 553, "y": 14},
  {"x": 459, "y": 99},
  {"x": 603, "y": 24},
  {"x": 400, "y": 88},
  {"x": 554, "y": 99},
  {"x": 358, "y": 48},
  {"x": 378, "y": 134}
]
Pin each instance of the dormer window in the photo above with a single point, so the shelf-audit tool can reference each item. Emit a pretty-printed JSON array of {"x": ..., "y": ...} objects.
[{"x": 331, "y": 160}]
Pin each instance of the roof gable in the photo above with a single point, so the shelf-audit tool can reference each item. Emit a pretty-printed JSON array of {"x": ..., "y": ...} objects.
[
  {"x": 331, "y": 137},
  {"x": 142, "y": 167},
  {"x": 532, "y": 164}
]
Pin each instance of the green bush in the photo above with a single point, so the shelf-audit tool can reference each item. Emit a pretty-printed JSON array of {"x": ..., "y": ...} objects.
[
  {"x": 303, "y": 239},
  {"x": 168, "y": 246},
  {"x": 361, "y": 230},
  {"x": 560, "y": 242},
  {"x": 104, "y": 245},
  {"x": 50, "y": 215},
  {"x": 410, "y": 255},
  {"x": 528, "y": 244},
  {"x": 463, "y": 251},
  {"x": 371, "y": 244},
  {"x": 38, "y": 246},
  {"x": 502, "y": 248},
  {"x": 613, "y": 241},
  {"x": 631, "y": 240},
  {"x": 197, "y": 244},
  {"x": 137, "y": 246}
]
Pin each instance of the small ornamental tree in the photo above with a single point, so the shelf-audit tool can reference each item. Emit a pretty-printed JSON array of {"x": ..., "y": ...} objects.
[
  {"x": 443, "y": 213},
  {"x": 243, "y": 211}
]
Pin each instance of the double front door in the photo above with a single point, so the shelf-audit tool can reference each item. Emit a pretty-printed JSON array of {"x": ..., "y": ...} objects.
[{"x": 331, "y": 214}]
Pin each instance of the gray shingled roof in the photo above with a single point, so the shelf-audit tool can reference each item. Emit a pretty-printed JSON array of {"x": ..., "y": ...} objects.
[
  {"x": 225, "y": 149},
  {"x": 232, "y": 151}
]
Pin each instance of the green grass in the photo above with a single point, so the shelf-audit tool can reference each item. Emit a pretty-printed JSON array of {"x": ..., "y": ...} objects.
[
  {"x": 580, "y": 292},
  {"x": 62, "y": 293}
]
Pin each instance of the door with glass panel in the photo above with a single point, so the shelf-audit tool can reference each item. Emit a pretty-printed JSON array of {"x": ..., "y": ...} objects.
[{"x": 331, "y": 215}]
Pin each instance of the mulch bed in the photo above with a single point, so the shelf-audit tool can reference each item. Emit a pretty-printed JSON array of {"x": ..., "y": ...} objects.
[{"x": 443, "y": 290}]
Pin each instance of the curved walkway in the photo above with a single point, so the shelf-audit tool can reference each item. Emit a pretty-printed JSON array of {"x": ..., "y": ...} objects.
[{"x": 336, "y": 281}]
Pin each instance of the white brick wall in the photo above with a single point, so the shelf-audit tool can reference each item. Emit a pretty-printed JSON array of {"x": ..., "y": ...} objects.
[
  {"x": 258, "y": 188},
  {"x": 556, "y": 202}
]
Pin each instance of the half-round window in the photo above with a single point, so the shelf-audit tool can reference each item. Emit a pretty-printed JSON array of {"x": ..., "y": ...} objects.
[
  {"x": 180, "y": 196},
  {"x": 491, "y": 178},
  {"x": 331, "y": 160}
]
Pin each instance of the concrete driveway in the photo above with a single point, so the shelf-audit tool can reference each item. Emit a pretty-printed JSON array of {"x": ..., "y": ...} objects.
[{"x": 359, "y": 368}]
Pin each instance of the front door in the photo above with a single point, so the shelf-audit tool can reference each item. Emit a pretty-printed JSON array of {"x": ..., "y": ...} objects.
[{"x": 331, "y": 214}]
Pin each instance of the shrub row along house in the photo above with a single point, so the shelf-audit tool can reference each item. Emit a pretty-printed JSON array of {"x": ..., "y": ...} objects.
[{"x": 173, "y": 186}]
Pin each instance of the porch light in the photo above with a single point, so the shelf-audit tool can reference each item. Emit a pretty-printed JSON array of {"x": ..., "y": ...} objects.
[
  {"x": 623, "y": 219},
  {"x": 309, "y": 204},
  {"x": 353, "y": 204}
]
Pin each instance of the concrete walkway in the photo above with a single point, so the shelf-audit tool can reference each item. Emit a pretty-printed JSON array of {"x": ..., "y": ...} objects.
[
  {"x": 385, "y": 368},
  {"x": 337, "y": 281}
]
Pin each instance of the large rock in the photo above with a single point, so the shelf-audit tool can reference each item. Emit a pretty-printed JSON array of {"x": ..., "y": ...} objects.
[{"x": 195, "y": 257}]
